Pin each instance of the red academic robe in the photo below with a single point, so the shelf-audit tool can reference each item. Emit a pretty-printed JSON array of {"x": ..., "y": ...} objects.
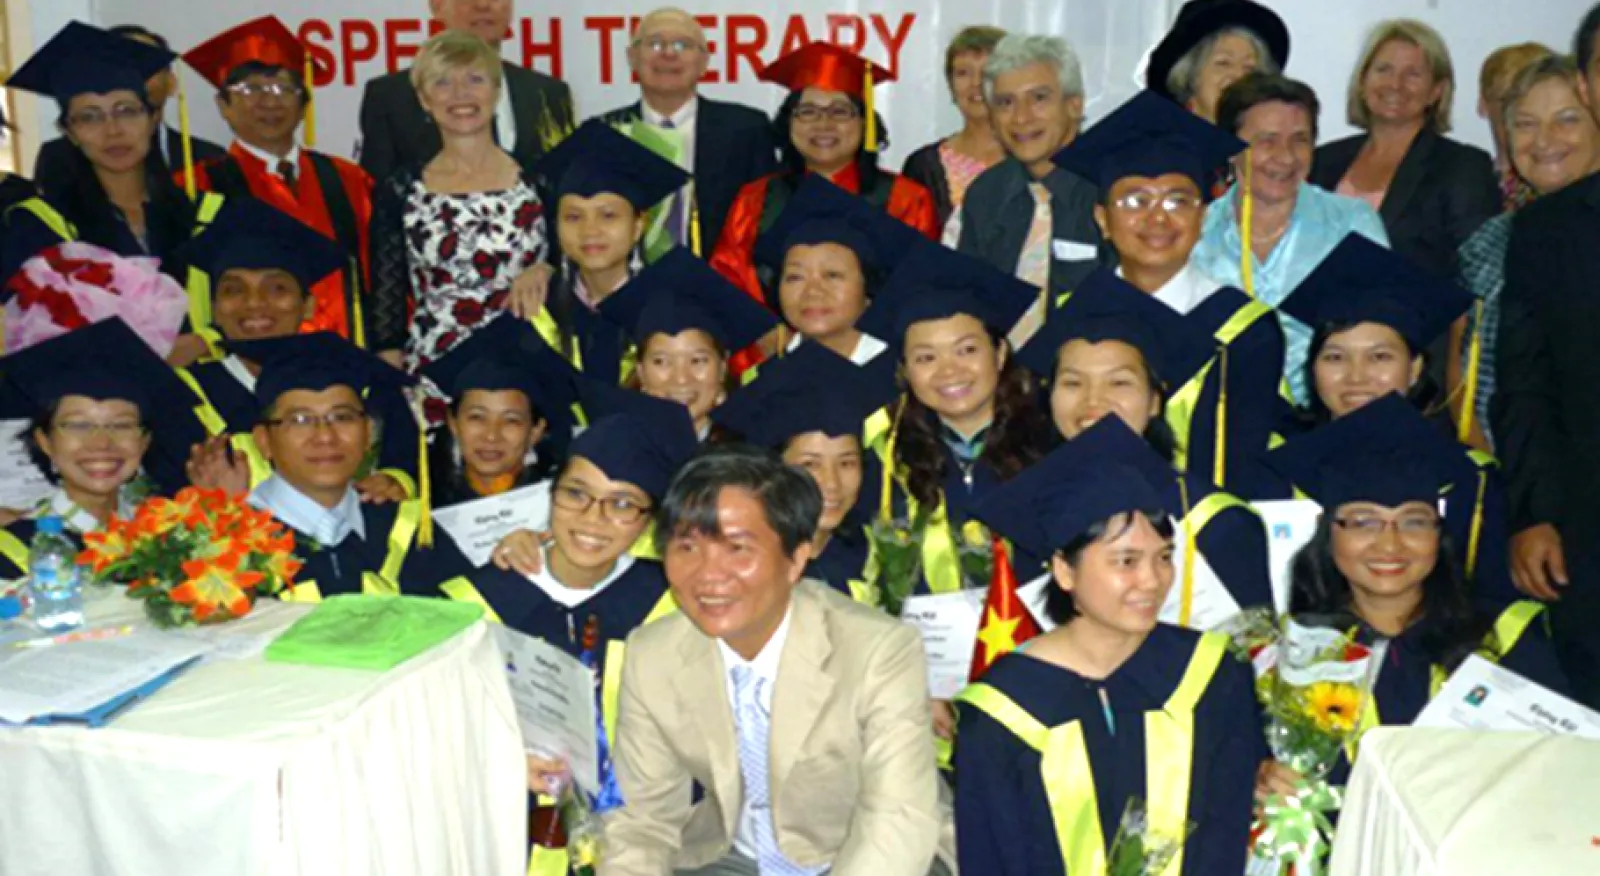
[
  {"x": 734, "y": 256},
  {"x": 306, "y": 203}
]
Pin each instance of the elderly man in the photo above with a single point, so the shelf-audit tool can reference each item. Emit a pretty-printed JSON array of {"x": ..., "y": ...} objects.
[
  {"x": 668, "y": 54},
  {"x": 535, "y": 110},
  {"x": 1025, "y": 215},
  {"x": 802, "y": 715}
]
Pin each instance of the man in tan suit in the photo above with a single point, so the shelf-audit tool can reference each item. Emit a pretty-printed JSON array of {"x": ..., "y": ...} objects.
[{"x": 801, "y": 714}]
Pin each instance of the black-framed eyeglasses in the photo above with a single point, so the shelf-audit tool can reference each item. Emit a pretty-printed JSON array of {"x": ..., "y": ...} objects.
[
  {"x": 617, "y": 509},
  {"x": 306, "y": 422},
  {"x": 837, "y": 112}
]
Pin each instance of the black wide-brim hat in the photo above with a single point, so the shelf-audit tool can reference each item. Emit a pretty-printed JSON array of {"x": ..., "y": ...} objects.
[{"x": 1199, "y": 19}]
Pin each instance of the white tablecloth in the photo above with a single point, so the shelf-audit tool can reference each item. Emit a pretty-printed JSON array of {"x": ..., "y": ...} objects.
[
  {"x": 243, "y": 767},
  {"x": 1431, "y": 802}
]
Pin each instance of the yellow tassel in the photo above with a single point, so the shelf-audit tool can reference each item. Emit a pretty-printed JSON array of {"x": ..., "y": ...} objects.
[
  {"x": 886, "y": 500},
  {"x": 872, "y": 115},
  {"x": 188, "y": 145},
  {"x": 311, "y": 134},
  {"x": 694, "y": 225},
  {"x": 1469, "y": 386},
  {"x": 1186, "y": 595},
  {"x": 1246, "y": 248},
  {"x": 424, "y": 486},
  {"x": 1220, "y": 473}
]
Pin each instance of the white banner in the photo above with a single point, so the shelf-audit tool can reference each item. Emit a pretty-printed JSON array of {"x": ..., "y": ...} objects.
[{"x": 585, "y": 45}]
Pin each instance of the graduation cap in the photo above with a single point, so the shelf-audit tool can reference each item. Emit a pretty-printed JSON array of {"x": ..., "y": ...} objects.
[
  {"x": 679, "y": 292},
  {"x": 1149, "y": 136},
  {"x": 108, "y": 361},
  {"x": 634, "y": 437},
  {"x": 1081, "y": 483},
  {"x": 264, "y": 40},
  {"x": 831, "y": 68},
  {"x": 597, "y": 158},
  {"x": 1199, "y": 19},
  {"x": 509, "y": 354},
  {"x": 821, "y": 212},
  {"x": 82, "y": 59},
  {"x": 251, "y": 235},
  {"x": 1361, "y": 281},
  {"x": 1105, "y": 307},
  {"x": 315, "y": 362},
  {"x": 1386, "y": 453},
  {"x": 934, "y": 282},
  {"x": 811, "y": 389}
]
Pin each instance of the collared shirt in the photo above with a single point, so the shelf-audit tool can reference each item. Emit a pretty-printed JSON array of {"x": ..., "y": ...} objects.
[
  {"x": 237, "y": 370},
  {"x": 867, "y": 348},
  {"x": 682, "y": 122},
  {"x": 270, "y": 160},
  {"x": 966, "y": 449},
  {"x": 1483, "y": 272},
  {"x": 572, "y": 597},
  {"x": 73, "y": 517},
  {"x": 765, "y": 668},
  {"x": 1186, "y": 289},
  {"x": 505, "y": 119},
  {"x": 1319, "y": 221},
  {"x": 303, "y": 514}
]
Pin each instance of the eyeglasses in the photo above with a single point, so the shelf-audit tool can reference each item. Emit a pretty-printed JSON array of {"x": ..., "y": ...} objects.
[
  {"x": 305, "y": 423},
  {"x": 94, "y": 119},
  {"x": 659, "y": 45},
  {"x": 1169, "y": 202},
  {"x": 617, "y": 509},
  {"x": 255, "y": 90},
  {"x": 1367, "y": 527},
  {"x": 837, "y": 112},
  {"x": 121, "y": 432}
]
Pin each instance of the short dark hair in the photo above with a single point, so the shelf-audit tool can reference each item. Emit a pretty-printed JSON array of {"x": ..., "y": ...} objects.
[
  {"x": 257, "y": 68},
  {"x": 1583, "y": 40},
  {"x": 140, "y": 32},
  {"x": 1259, "y": 87},
  {"x": 1058, "y": 604},
  {"x": 789, "y": 497}
]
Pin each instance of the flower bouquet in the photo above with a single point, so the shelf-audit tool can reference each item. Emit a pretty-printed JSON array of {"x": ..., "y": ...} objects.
[
  {"x": 1319, "y": 687},
  {"x": 976, "y": 555},
  {"x": 200, "y": 558},
  {"x": 895, "y": 559},
  {"x": 72, "y": 285},
  {"x": 576, "y": 826},
  {"x": 1139, "y": 848}
]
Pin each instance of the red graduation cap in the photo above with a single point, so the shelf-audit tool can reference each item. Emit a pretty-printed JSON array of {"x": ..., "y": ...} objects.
[
  {"x": 265, "y": 40},
  {"x": 831, "y": 68}
]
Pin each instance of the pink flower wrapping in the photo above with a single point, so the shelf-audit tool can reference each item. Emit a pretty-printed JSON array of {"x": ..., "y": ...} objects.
[{"x": 74, "y": 284}]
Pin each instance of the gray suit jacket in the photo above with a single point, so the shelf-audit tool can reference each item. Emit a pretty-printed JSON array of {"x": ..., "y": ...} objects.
[
  {"x": 852, "y": 773},
  {"x": 998, "y": 211}
]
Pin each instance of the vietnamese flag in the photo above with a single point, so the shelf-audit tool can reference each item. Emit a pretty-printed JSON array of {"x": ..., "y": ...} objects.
[{"x": 1006, "y": 622}]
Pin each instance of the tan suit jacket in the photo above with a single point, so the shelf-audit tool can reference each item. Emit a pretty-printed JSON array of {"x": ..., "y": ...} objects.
[{"x": 852, "y": 776}]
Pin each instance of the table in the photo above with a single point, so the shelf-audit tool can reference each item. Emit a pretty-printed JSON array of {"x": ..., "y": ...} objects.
[
  {"x": 1434, "y": 802},
  {"x": 244, "y": 767}
]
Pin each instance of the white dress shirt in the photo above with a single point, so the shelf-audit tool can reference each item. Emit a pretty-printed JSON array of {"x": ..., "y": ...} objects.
[
  {"x": 765, "y": 667},
  {"x": 1185, "y": 290},
  {"x": 236, "y": 368},
  {"x": 682, "y": 122},
  {"x": 571, "y": 597},
  {"x": 505, "y": 121},
  {"x": 294, "y": 509},
  {"x": 271, "y": 160},
  {"x": 867, "y": 348}
]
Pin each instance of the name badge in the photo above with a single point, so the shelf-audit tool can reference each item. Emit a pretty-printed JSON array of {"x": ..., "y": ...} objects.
[{"x": 1073, "y": 251}]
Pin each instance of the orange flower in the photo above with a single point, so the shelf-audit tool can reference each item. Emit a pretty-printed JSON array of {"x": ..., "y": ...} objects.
[{"x": 210, "y": 589}]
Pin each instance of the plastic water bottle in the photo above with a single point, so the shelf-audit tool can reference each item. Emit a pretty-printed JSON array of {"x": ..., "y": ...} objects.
[{"x": 55, "y": 590}]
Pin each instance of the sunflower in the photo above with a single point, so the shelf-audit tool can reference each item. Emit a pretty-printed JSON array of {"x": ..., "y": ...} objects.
[{"x": 1335, "y": 707}]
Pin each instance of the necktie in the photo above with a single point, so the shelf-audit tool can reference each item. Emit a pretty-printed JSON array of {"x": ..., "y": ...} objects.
[
  {"x": 286, "y": 170},
  {"x": 754, "y": 725},
  {"x": 1033, "y": 266},
  {"x": 675, "y": 208}
]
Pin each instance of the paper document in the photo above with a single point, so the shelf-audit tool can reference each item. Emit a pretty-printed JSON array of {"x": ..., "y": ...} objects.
[
  {"x": 22, "y": 484},
  {"x": 949, "y": 623},
  {"x": 75, "y": 678},
  {"x": 477, "y": 526},
  {"x": 1210, "y": 602},
  {"x": 1483, "y": 696},
  {"x": 1290, "y": 524},
  {"x": 554, "y": 694}
]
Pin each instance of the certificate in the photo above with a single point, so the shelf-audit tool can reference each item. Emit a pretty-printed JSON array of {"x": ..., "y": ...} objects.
[
  {"x": 1210, "y": 603},
  {"x": 22, "y": 484},
  {"x": 948, "y": 623},
  {"x": 477, "y": 526},
  {"x": 1484, "y": 696},
  {"x": 1290, "y": 524},
  {"x": 554, "y": 695}
]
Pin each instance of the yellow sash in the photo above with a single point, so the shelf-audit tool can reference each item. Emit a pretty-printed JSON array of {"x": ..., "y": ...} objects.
[
  {"x": 1069, "y": 780},
  {"x": 1181, "y": 404},
  {"x": 199, "y": 283},
  {"x": 386, "y": 581},
  {"x": 14, "y": 550}
]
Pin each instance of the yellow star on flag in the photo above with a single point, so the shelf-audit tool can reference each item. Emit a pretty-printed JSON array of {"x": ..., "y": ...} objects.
[{"x": 998, "y": 635}]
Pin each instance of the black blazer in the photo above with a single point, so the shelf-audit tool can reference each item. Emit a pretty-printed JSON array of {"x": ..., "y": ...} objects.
[
  {"x": 733, "y": 145},
  {"x": 923, "y": 166},
  {"x": 52, "y": 170},
  {"x": 1441, "y": 192},
  {"x": 396, "y": 132},
  {"x": 998, "y": 212}
]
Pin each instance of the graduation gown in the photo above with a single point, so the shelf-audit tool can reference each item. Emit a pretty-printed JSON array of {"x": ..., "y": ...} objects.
[
  {"x": 27, "y": 234},
  {"x": 241, "y": 173},
  {"x": 1004, "y": 822},
  {"x": 1229, "y": 537},
  {"x": 843, "y": 561},
  {"x": 592, "y": 344},
  {"x": 356, "y": 564}
]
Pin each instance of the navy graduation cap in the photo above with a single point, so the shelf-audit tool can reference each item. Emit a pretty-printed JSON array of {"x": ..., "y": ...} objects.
[
  {"x": 1149, "y": 136},
  {"x": 934, "y": 282},
  {"x": 821, "y": 212},
  {"x": 83, "y": 59},
  {"x": 810, "y": 389},
  {"x": 249, "y": 234},
  {"x": 635, "y": 437},
  {"x": 1361, "y": 281},
  {"x": 680, "y": 292},
  {"x": 1104, "y": 307},
  {"x": 1385, "y": 453},
  {"x": 597, "y": 158},
  {"x": 508, "y": 354},
  {"x": 315, "y": 362}
]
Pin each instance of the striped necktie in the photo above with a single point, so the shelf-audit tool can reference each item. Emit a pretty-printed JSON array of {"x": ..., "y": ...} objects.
[{"x": 754, "y": 726}]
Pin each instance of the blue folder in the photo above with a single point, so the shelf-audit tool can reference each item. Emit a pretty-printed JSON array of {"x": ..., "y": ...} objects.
[{"x": 102, "y": 714}]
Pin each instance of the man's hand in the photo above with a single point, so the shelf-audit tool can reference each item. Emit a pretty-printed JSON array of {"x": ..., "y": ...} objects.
[
  {"x": 380, "y": 489},
  {"x": 213, "y": 466},
  {"x": 1538, "y": 562},
  {"x": 187, "y": 350}
]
